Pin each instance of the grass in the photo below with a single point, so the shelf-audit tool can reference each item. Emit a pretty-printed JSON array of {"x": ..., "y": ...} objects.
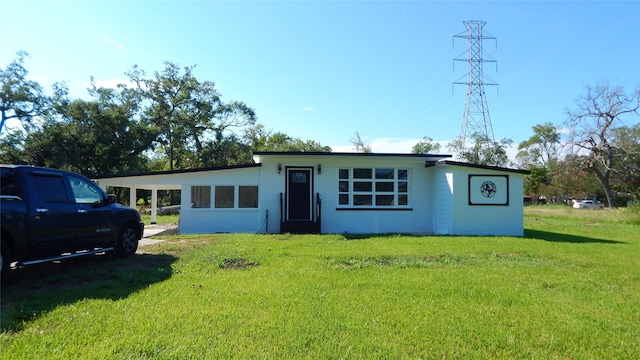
[
  {"x": 160, "y": 219},
  {"x": 569, "y": 289}
]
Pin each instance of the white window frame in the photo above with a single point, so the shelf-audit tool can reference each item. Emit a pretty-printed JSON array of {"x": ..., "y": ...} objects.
[
  {"x": 236, "y": 197},
  {"x": 351, "y": 183},
  {"x": 239, "y": 196},
  {"x": 193, "y": 200}
]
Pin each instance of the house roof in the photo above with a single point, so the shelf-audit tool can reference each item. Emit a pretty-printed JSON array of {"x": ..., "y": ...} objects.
[
  {"x": 313, "y": 153},
  {"x": 476, "y": 166},
  {"x": 168, "y": 179},
  {"x": 261, "y": 156}
]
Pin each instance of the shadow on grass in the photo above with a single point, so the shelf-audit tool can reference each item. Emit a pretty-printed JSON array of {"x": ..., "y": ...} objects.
[
  {"x": 34, "y": 290},
  {"x": 528, "y": 234},
  {"x": 568, "y": 238}
]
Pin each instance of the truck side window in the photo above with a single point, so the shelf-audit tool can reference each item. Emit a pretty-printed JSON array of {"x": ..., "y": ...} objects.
[
  {"x": 8, "y": 182},
  {"x": 50, "y": 189},
  {"x": 84, "y": 191}
]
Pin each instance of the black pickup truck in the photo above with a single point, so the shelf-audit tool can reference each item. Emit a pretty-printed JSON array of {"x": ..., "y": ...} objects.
[{"x": 49, "y": 214}]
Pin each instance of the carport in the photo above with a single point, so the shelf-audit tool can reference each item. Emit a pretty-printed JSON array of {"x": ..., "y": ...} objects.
[{"x": 154, "y": 181}]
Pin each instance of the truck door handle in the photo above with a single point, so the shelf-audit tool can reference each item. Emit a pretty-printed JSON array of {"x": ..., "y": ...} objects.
[
  {"x": 82, "y": 211},
  {"x": 42, "y": 210}
]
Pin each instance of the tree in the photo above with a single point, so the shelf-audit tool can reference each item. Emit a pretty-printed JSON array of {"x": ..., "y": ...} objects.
[
  {"x": 96, "y": 137},
  {"x": 627, "y": 180},
  {"x": 570, "y": 181},
  {"x": 541, "y": 149},
  {"x": 592, "y": 125},
  {"x": 426, "y": 146},
  {"x": 260, "y": 139},
  {"x": 11, "y": 148},
  {"x": 188, "y": 114},
  {"x": 483, "y": 152},
  {"x": 537, "y": 183},
  {"x": 20, "y": 99},
  {"x": 539, "y": 154},
  {"x": 359, "y": 145}
]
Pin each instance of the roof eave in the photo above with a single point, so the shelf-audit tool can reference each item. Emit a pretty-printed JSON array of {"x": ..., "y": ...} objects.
[{"x": 475, "y": 166}]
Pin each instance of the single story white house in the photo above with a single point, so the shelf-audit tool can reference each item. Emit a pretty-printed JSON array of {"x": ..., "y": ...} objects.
[{"x": 327, "y": 192}]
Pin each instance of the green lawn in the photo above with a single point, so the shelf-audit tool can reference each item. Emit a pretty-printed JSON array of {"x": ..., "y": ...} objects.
[
  {"x": 569, "y": 289},
  {"x": 161, "y": 219}
]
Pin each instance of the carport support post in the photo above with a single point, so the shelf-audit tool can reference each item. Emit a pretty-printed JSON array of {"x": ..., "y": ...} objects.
[
  {"x": 154, "y": 205},
  {"x": 133, "y": 201}
]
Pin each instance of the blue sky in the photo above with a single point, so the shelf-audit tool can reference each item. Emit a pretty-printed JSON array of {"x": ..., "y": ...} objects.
[{"x": 324, "y": 70}]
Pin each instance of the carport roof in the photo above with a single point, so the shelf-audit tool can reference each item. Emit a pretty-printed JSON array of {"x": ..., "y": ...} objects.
[
  {"x": 159, "y": 180},
  {"x": 182, "y": 171}
]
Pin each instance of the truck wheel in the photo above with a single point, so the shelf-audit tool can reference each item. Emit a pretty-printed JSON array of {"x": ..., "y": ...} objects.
[
  {"x": 127, "y": 242},
  {"x": 5, "y": 261}
]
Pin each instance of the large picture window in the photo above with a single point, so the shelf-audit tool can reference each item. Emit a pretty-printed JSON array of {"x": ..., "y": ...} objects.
[
  {"x": 201, "y": 196},
  {"x": 373, "y": 187}
]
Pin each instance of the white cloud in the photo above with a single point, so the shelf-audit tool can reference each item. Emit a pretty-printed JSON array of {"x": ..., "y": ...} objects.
[
  {"x": 393, "y": 145},
  {"x": 388, "y": 145},
  {"x": 342, "y": 148},
  {"x": 308, "y": 108},
  {"x": 110, "y": 41},
  {"x": 403, "y": 145}
]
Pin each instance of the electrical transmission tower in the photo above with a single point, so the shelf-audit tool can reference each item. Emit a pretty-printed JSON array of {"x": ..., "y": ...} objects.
[{"x": 476, "y": 120}]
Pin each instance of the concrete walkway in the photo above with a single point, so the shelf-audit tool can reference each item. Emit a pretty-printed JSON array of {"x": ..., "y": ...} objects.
[{"x": 151, "y": 230}]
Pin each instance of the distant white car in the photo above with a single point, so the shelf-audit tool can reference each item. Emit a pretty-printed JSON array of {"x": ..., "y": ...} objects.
[{"x": 587, "y": 204}]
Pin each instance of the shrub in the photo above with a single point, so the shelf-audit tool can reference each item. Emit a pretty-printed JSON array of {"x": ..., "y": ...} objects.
[{"x": 631, "y": 214}]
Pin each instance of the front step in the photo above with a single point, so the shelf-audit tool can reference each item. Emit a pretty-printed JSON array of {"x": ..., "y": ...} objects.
[{"x": 300, "y": 227}]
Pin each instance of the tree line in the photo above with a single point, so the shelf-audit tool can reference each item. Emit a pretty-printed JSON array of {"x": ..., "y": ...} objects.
[
  {"x": 167, "y": 121},
  {"x": 594, "y": 153},
  {"x": 171, "y": 120}
]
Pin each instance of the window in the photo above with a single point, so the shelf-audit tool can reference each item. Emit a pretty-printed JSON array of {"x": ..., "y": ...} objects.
[
  {"x": 85, "y": 192},
  {"x": 247, "y": 196},
  {"x": 8, "y": 182},
  {"x": 225, "y": 197},
  {"x": 50, "y": 189},
  {"x": 201, "y": 196},
  {"x": 403, "y": 187},
  {"x": 378, "y": 187}
]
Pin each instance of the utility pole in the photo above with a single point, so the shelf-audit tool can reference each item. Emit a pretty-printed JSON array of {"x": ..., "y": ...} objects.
[{"x": 475, "y": 120}]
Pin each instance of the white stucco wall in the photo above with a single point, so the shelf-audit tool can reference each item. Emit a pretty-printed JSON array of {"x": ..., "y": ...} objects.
[
  {"x": 414, "y": 219},
  {"x": 335, "y": 218},
  {"x": 465, "y": 219},
  {"x": 442, "y": 195},
  {"x": 212, "y": 220}
]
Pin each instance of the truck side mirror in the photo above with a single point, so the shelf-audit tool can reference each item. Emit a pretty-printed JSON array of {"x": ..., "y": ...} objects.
[{"x": 112, "y": 199}]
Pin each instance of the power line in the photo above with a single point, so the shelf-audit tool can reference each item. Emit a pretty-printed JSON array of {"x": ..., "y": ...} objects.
[{"x": 476, "y": 119}]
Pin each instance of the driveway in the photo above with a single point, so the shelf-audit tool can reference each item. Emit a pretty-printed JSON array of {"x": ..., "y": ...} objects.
[{"x": 152, "y": 230}]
